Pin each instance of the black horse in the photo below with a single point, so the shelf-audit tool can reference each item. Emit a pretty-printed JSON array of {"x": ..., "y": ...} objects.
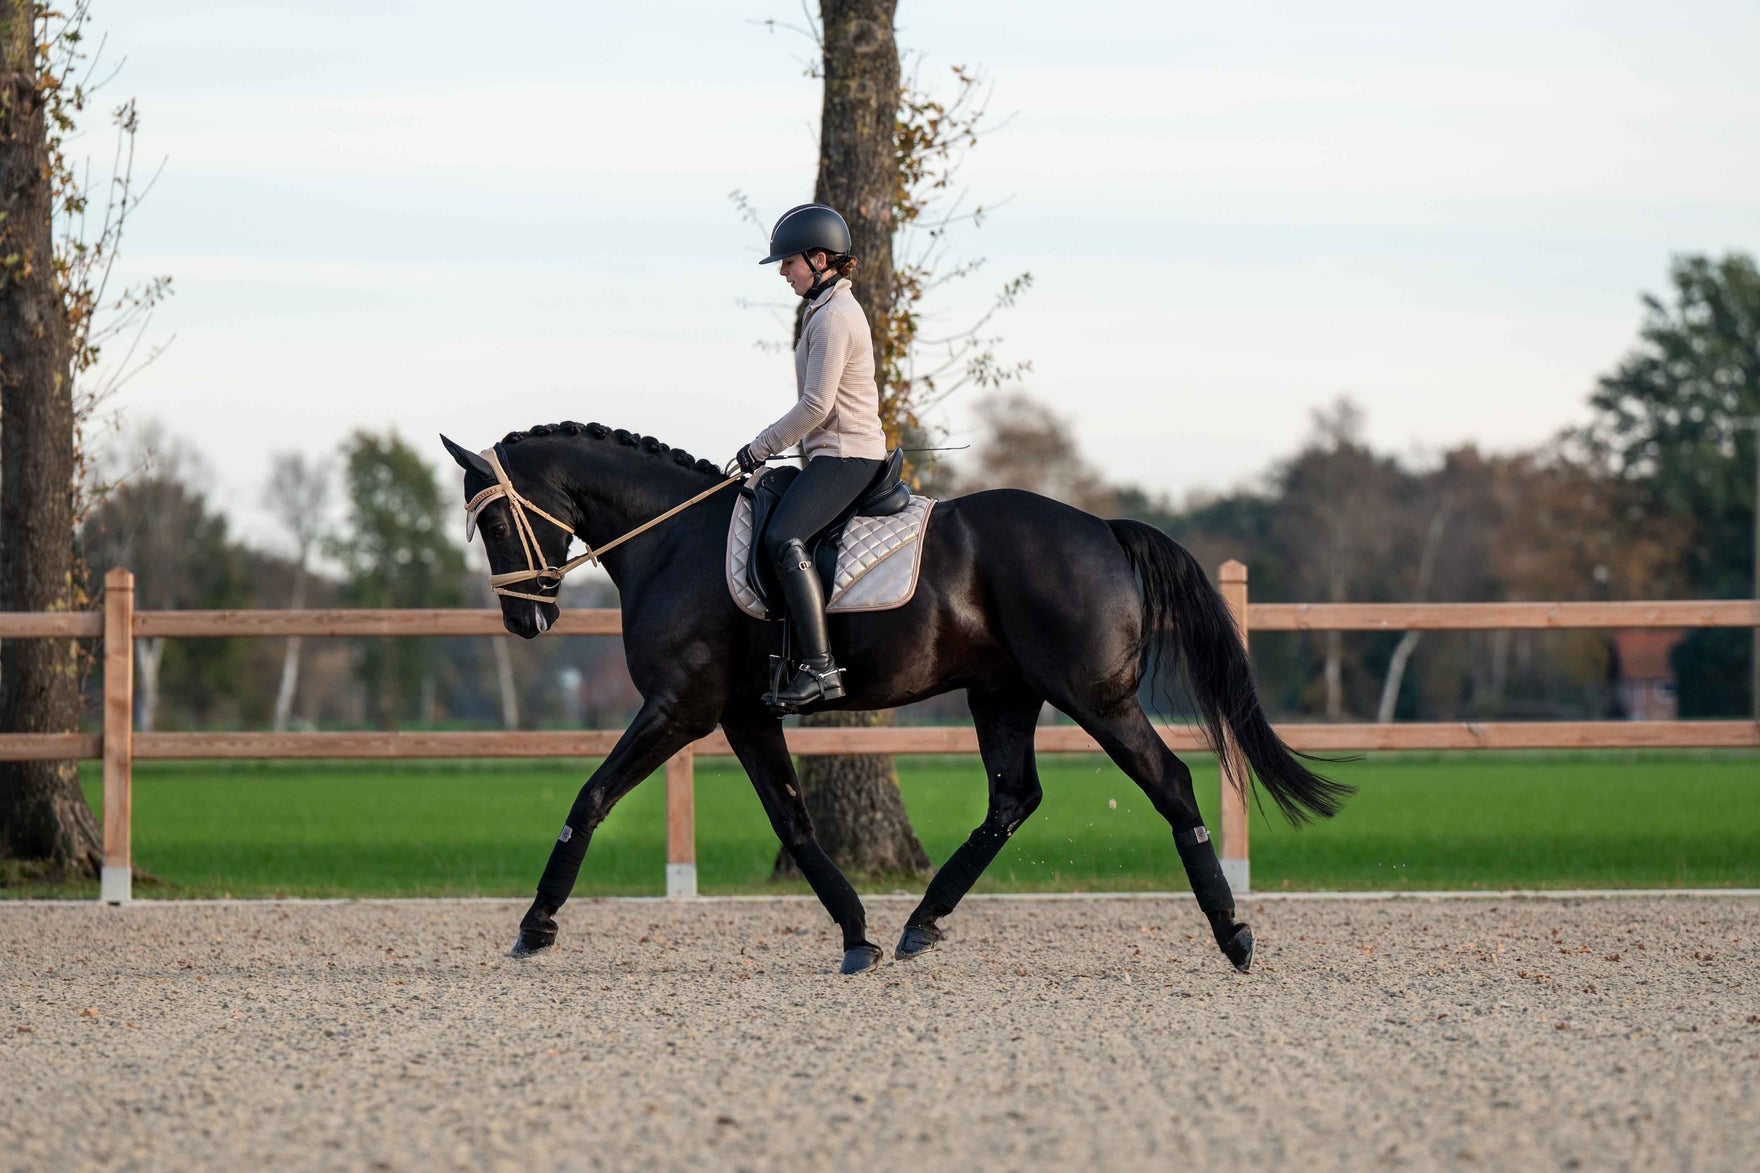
[{"x": 1022, "y": 600}]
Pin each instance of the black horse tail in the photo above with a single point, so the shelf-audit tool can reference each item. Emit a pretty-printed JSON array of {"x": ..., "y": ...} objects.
[{"x": 1179, "y": 600}]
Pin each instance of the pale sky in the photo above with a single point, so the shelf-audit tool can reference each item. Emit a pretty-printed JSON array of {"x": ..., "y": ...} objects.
[{"x": 471, "y": 218}]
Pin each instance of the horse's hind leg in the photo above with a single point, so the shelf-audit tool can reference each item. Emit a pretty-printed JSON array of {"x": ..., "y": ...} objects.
[
  {"x": 1005, "y": 720},
  {"x": 1124, "y": 732}
]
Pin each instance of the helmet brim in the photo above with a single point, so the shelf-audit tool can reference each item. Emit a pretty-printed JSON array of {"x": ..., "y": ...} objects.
[{"x": 774, "y": 257}]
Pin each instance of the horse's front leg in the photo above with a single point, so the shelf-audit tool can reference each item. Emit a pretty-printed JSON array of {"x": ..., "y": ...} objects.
[
  {"x": 763, "y": 751},
  {"x": 659, "y": 730}
]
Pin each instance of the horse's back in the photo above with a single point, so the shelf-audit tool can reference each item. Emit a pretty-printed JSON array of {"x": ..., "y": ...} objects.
[
  {"x": 1010, "y": 533},
  {"x": 1047, "y": 581}
]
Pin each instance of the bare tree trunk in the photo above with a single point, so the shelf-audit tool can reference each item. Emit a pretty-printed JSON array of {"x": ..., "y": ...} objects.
[
  {"x": 504, "y": 675},
  {"x": 503, "y": 656},
  {"x": 289, "y": 685},
  {"x": 1333, "y": 670},
  {"x": 1333, "y": 675},
  {"x": 858, "y": 161},
  {"x": 854, "y": 801},
  {"x": 290, "y": 656},
  {"x": 45, "y": 823},
  {"x": 1501, "y": 642},
  {"x": 1396, "y": 674},
  {"x": 1408, "y": 643},
  {"x": 148, "y": 654}
]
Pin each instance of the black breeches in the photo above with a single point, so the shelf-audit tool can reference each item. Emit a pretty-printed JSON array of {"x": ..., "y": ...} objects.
[{"x": 824, "y": 489}]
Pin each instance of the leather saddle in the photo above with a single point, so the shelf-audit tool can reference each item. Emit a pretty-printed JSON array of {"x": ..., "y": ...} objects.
[{"x": 885, "y": 495}]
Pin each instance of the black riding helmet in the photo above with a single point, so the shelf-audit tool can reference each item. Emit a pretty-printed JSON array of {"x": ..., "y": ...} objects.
[{"x": 809, "y": 226}]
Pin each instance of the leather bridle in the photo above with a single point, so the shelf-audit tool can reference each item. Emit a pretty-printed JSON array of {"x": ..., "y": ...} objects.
[{"x": 549, "y": 578}]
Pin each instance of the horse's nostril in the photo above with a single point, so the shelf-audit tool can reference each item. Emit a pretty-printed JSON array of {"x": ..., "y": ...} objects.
[{"x": 538, "y": 613}]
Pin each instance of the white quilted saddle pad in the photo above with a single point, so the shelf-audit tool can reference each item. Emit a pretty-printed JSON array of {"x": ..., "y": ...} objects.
[{"x": 877, "y": 566}]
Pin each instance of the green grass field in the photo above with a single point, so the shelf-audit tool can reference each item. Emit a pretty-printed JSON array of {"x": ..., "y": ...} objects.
[{"x": 1480, "y": 820}]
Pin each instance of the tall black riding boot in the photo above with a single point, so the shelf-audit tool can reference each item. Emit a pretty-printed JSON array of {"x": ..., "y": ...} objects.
[{"x": 817, "y": 679}]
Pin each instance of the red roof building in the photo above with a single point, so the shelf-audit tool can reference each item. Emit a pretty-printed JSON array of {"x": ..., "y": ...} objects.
[{"x": 1646, "y": 678}]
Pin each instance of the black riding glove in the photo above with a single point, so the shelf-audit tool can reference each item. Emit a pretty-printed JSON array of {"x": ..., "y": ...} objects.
[{"x": 748, "y": 463}]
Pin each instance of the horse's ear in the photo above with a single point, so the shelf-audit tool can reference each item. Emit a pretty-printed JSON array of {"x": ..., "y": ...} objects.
[{"x": 469, "y": 461}]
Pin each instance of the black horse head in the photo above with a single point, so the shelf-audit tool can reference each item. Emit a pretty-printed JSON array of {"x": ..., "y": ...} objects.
[
  {"x": 597, "y": 481},
  {"x": 524, "y": 617}
]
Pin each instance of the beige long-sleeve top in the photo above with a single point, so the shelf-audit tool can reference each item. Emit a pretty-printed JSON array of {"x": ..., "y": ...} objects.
[{"x": 837, "y": 406}]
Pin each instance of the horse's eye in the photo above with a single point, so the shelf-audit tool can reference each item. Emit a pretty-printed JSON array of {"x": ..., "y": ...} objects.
[{"x": 496, "y": 529}]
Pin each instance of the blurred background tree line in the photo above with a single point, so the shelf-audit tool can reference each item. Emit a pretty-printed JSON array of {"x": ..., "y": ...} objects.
[{"x": 1651, "y": 497}]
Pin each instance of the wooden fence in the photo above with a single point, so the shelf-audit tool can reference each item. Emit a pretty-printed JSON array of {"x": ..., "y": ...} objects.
[{"x": 120, "y": 746}]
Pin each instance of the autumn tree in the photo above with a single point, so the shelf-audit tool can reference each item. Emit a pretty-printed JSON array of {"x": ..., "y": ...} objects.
[
  {"x": 58, "y": 248},
  {"x": 1336, "y": 498},
  {"x": 44, "y": 819},
  {"x": 298, "y": 497},
  {"x": 890, "y": 149},
  {"x": 157, "y": 522},
  {"x": 854, "y": 801},
  {"x": 1024, "y": 444},
  {"x": 1675, "y": 420},
  {"x": 395, "y": 553}
]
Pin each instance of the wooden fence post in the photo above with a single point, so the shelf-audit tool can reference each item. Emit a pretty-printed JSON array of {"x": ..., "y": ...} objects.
[
  {"x": 681, "y": 825},
  {"x": 116, "y": 883},
  {"x": 1232, "y": 773}
]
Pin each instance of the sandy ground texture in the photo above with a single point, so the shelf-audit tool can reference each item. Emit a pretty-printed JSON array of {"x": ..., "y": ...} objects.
[{"x": 1593, "y": 1033}]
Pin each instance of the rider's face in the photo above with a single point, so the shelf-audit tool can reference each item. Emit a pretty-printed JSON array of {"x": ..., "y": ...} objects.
[{"x": 798, "y": 273}]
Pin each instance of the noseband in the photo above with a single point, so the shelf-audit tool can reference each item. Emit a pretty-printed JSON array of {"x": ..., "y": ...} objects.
[{"x": 549, "y": 578}]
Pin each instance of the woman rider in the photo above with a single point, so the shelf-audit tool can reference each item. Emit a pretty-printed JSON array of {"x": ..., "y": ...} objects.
[{"x": 836, "y": 420}]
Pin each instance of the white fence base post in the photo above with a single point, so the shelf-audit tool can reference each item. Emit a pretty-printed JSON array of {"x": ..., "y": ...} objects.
[
  {"x": 681, "y": 881},
  {"x": 1235, "y": 871},
  {"x": 116, "y": 885}
]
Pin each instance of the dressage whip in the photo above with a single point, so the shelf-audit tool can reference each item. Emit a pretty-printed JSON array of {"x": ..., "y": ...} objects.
[{"x": 796, "y": 455}]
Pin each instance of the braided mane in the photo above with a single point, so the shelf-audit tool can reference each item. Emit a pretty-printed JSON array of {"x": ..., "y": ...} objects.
[{"x": 646, "y": 444}]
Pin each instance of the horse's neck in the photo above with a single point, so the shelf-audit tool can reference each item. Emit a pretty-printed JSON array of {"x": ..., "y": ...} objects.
[{"x": 611, "y": 500}]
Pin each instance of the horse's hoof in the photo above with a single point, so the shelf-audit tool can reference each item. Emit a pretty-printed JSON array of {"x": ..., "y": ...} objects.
[
  {"x": 530, "y": 942},
  {"x": 1239, "y": 948},
  {"x": 862, "y": 958},
  {"x": 917, "y": 940}
]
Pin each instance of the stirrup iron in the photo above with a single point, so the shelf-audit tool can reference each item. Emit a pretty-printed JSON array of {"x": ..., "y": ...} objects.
[{"x": 812, "y": 683}]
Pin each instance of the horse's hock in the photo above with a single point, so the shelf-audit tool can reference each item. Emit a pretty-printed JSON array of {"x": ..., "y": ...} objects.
[{"x": 1616, "y": 1032}]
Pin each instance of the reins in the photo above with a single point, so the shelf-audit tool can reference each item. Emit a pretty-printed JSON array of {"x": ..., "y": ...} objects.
[{"x": 549, "y": 578}]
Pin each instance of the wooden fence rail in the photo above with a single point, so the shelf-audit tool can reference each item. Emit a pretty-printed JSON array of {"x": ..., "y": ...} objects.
[
  {"x": 810, "y": 742},
  {"x": 119, "y": 624}
]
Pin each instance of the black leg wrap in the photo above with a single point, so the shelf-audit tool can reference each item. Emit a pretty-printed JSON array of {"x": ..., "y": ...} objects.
[
  {"x": 1204, "y": 872},
  {"x": 564, "y": 866},
  {"x": 834, "y": 892},
  {"x": 537, "y": 929},
  {"x": 959, "y": 873}
]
